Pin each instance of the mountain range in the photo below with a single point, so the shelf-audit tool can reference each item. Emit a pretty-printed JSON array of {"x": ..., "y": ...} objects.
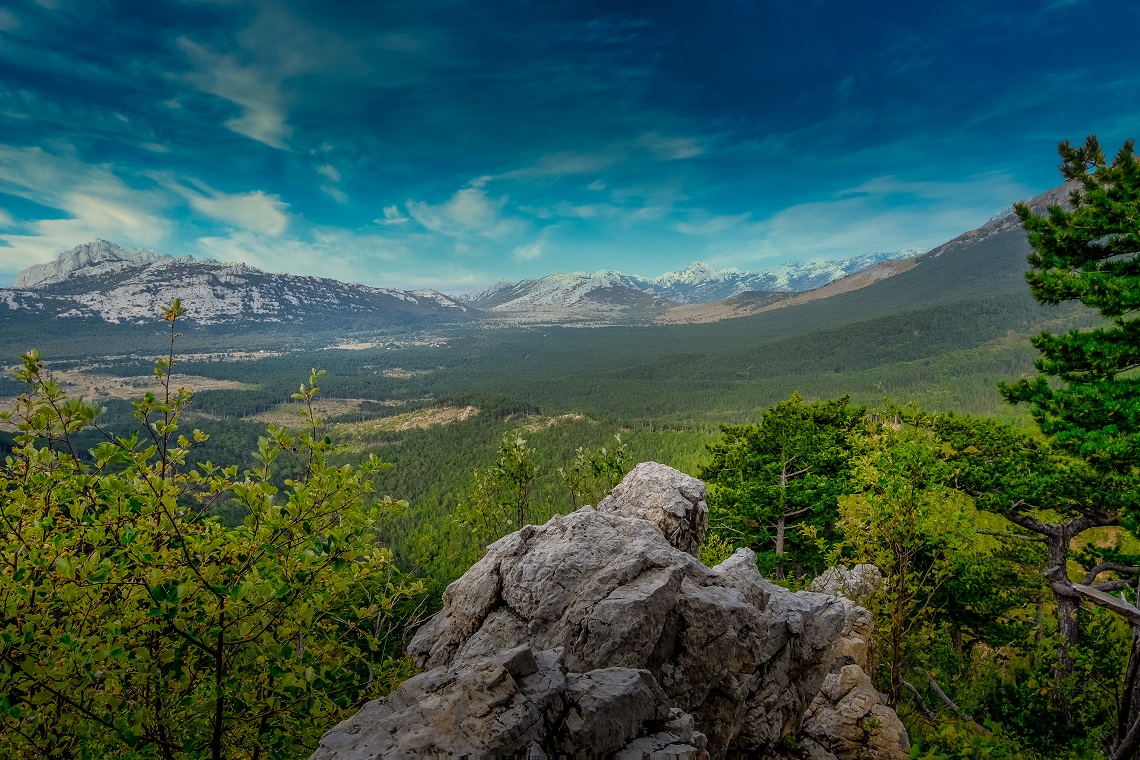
[
  {"x": 100, "y": 282},
  {"x": 103, "y": 281},
  {"x": 578, "y": 296}
]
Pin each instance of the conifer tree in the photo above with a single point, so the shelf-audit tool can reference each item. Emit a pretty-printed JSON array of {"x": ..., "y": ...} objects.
[
  {"x": 1086, "y": 395},
  {"x": 1089, "y": 254},
  {"x": 790, "y": 467}
]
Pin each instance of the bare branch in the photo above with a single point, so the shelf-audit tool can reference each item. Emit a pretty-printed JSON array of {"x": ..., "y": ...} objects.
[
  {"x": 1106, "y": 566},
  {"x": 1101, "y": 599},
  {"x": 921, "y": 703},
  {"x": 950, "y": 703},
  {"x": 1019, "y": 536},
  {"x": 1031, "y": 523}
]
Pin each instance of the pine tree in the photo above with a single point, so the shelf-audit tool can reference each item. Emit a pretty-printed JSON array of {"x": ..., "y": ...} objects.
[
  {"x": 789, "y": 468},
  {"x": 1086, "y": 395},
  {"x": 1089, "y": 254}
]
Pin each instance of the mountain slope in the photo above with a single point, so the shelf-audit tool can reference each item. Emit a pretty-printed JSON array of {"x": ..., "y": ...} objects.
[
  {"x": 966, "y": 301},
  {"x": 101, "y": 280}
]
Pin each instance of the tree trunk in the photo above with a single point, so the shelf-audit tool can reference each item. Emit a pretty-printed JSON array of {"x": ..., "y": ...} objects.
[
  {"x": 219, "y": 694},
  {"x": 780, "y": 528},
  {"x": 1128, "y": 711},
  {"x": 901, "y": 603},
  {"x": 1068, "y": 605},
  {"x": 782, "y": 524}
]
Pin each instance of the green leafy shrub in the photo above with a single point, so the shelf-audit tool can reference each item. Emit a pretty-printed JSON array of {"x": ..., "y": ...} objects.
[{"x": 136, "y": 625}]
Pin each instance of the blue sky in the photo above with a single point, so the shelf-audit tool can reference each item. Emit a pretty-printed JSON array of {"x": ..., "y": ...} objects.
[{"x": 451, "y": 143}]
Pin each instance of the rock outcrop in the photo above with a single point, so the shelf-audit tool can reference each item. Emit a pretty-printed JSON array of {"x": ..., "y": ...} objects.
[
  {"x": 600, "y": 634},
  {"x": 856, "y": 583}
]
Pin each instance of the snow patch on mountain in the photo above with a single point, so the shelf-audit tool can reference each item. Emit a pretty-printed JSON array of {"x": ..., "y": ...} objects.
[
  {"x": 117, "y": 285},
  {"x": 609, "y": 291}
]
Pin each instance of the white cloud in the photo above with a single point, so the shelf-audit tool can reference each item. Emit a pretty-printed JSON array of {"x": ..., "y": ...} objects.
[
  {"x": 8, "y": 20},
  {"x": 597, "y": 186},
  {"x": 328, "y": 170},
  {"x": 528, "y": 252},
  {"x": 392, "y": 215},
  {"x": 259, "y": 96},
  {"x": 94, "y": 203},
  {"x": 255, "y": 211},
  {"x": 469, "y": 212}
]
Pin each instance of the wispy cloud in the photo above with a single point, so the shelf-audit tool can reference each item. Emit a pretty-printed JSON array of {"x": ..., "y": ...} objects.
[
  {"x": 651, "y": 146},
  {"x": 702, "y": 223},
  {"x": 80, "y": 202},
  {"x": 259, "y": 98},
  {"x": 470, "y": 212},
  {"x": 332, "y": 188},
  {"x": 873, "y": 217},
  {"x": 329, "y": 171},
  {"x": 346, "y": 255},
  {"x": 254, "y": 211}
]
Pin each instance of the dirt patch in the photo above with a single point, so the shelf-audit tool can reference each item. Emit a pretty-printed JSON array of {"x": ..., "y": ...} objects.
[
  {"x": 93, "y": 385},
  {"x": 400, "y": 373},
  {"x": 288, "y": 414},
  {"x": 542, "y": 423},
  {"x": 417, "y": 420}
]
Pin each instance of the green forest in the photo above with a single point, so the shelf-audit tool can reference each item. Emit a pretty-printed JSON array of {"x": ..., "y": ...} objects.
[{"x": 228, "y": 573}]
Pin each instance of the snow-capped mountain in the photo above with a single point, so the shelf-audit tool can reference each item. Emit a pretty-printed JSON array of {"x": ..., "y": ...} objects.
[
  {"x": 101, "y": 279},
  {"x": 610, "y": 292}
]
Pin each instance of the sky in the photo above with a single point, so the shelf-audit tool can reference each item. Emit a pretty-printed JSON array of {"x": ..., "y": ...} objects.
[{"x": 452, "y": 143}]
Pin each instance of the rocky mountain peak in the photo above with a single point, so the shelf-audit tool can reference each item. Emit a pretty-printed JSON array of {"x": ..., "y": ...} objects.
[
  {"x": 98, "y": 257},
  {"x": 694, "y": 274},
  {"x": 103, "y": 280}
]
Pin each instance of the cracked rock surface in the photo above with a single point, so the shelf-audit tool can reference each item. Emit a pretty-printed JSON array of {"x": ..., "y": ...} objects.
[{"x": 599, "y": 634}]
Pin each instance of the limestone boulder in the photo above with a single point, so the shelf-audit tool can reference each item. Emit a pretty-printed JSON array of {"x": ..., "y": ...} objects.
[
  {"x": 600, "y": 634},
  {"x": 668, "y": 498},
  {"x": 849, "y": 720},
  {"x": 856, "y": 583}
]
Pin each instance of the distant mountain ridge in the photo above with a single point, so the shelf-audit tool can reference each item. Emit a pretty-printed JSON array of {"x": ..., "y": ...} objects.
[
  {"x": 609, "y": 292},
  {"x": 103, "y": 280}
]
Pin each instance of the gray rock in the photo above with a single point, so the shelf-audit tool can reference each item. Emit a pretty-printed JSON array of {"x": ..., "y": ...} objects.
[
  {"x": 668, "y": 498},
  {"x": 524, "y": 706},
  {"x": 849, "y": 720},
  {"x": 856, "y": 583},
  {"x": 601, "y": 634}
]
